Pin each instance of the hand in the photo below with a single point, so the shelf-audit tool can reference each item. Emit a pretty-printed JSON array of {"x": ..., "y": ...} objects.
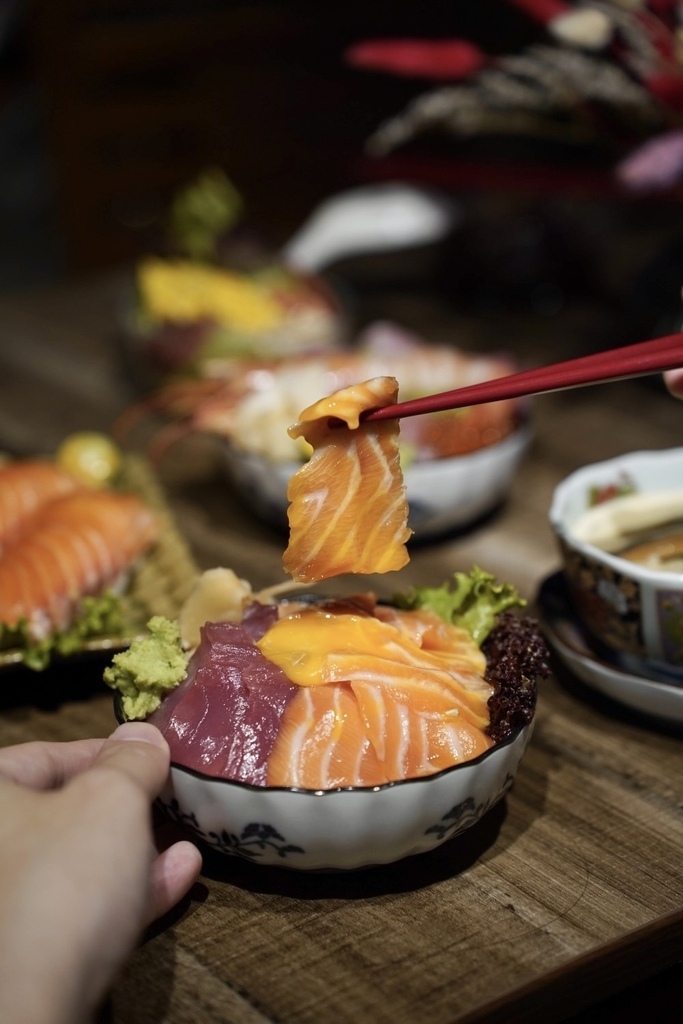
[
  {"x": 674, "y": 382},
  {"x": 80, "y": 877}
]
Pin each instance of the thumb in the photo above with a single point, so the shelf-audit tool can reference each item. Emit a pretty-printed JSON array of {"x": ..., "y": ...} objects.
[{"x": 138, "y": 750}]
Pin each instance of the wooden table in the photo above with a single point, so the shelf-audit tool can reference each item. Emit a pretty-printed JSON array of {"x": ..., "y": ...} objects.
[{"x": 569, "y": 891}]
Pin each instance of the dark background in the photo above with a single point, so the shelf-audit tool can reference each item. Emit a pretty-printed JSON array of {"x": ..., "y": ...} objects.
[{"x": 108, "y": 107}]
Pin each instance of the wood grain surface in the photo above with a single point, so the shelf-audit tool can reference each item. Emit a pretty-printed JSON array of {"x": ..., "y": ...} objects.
[{"x": 569, "y": 890}]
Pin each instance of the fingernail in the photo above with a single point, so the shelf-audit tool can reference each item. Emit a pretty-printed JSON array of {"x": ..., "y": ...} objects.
[{"x": 141, "y": 732}]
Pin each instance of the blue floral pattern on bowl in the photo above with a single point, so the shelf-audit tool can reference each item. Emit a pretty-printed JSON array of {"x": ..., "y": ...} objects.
[{"x": 347, "y": 828}]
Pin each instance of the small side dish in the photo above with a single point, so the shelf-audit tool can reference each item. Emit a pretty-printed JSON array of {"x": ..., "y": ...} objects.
[
  {"x": 275, "y": 698},
  {"x": 658, "y": 700},
  {"x": 619, "y": 526},
  {"x": 195, "y": 319},
  {"x": 213, "y": 291}
]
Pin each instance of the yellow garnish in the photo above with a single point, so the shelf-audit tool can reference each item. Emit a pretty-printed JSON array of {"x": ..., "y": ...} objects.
[
  {"x": 92, "y": 458},
  {"x": 183, "y": 292}
]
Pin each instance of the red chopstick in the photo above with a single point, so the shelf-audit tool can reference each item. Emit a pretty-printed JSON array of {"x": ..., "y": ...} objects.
[{"x": 637, "y": 360}]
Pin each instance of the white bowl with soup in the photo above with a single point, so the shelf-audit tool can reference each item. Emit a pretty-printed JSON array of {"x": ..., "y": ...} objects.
[{"x": 619, "y": 525}]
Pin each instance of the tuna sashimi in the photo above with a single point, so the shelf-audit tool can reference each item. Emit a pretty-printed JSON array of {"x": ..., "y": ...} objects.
[
  {"x": 224, "y": 716},
  {"x": 73, "y": 546},
  {"x": 348, "y": 511},
  {"x": 25, "y": 486}
]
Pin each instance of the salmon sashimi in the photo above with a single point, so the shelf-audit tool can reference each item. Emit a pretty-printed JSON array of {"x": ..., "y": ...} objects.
[
  {"x": 25, "y": 486},
  {"x": 374, "y": 706},
  {"x": 348, "y": 511},
  {"x": 73, "y": 546},
  {"x": 325, "y": 740},
  {"x": 322, "y": 743}
]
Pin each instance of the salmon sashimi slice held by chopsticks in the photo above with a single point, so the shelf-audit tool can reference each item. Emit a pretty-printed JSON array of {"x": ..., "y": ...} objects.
[
  {"x": 348, "y": 511},
  {"x": 25, "y": 487},
  {"x": 73, "y": 546},
  {"x": 384, "y": 708}
]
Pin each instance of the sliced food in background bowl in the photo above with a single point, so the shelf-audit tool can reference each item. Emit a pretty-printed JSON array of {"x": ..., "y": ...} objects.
[{"x": 457, "y": 465}]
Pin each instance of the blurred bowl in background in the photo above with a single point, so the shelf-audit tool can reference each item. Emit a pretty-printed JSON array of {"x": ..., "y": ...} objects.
[
  {"x": 619, "y": 527},
  {"x": 443, "y": 494},
  {"x": 201, "y": 319},
  {"x": 568, "y": 639},
  {"x": 193, "y": 316},
  {"x": 458, "y": 464}
]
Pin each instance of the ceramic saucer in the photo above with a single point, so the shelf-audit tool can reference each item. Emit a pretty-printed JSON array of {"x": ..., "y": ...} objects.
[{"x": 567, "y": 640}]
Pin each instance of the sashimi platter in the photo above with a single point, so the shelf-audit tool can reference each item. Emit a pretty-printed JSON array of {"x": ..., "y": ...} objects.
[
  {"x": 88, "y": 551},
  {"x": 319, "y": 732}
]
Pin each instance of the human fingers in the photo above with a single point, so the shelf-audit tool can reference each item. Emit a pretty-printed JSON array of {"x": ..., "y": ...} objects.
[
  {"x": 138, "y": 751},
  {"x": 79, "y": 876},
  {"x": 674, "y": 382},
  {"x": 174, "y": 872},
  {"x": 40, "y": 765}
]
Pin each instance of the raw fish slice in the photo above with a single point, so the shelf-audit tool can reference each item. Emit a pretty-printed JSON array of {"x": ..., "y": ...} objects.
[
  {"x": 419, "y": 686},
  {"x": 432, "y": 632},
  {"x": 373, "y": 704},
  {"x": 328, "y": 738},
  {"x": 348, "y": 512},
  {"x": 224, "y": 716},
  {"x": 114, "y": 526},
  {"x": 314, "y": 648},
  {"x": 322, "y": 742},
  {"x": 49, "y": 579},
  {"x": 75, "y": 545},
  {"x": 257, "y": 618},
  {"x": 25, "y": 486},
  {"x": 21, "y": 590},
  {"x": 56, "y": 585},
  {"x": 58, "y": 566},
  {"x": 417, "y": 730},
  {"x": 93, "y": 543}
]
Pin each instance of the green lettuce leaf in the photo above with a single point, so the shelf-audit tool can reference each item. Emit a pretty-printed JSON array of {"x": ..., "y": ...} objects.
[{"x": 471, "y": 600}]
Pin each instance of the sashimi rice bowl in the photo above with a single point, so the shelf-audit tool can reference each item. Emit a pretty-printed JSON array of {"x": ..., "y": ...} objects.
[{"x": 322, "y": 732}]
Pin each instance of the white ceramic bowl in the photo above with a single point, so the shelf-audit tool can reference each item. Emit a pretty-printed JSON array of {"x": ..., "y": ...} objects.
[
  {"x": 342, "y": 829},
  {"x": 631, "y": 612},
  {"x": 443, "y": 494}
]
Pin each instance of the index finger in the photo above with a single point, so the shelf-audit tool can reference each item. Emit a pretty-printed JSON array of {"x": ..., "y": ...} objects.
[
  {"x": 42, "y": 765},
  {"x": 674, "y": 382}
]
